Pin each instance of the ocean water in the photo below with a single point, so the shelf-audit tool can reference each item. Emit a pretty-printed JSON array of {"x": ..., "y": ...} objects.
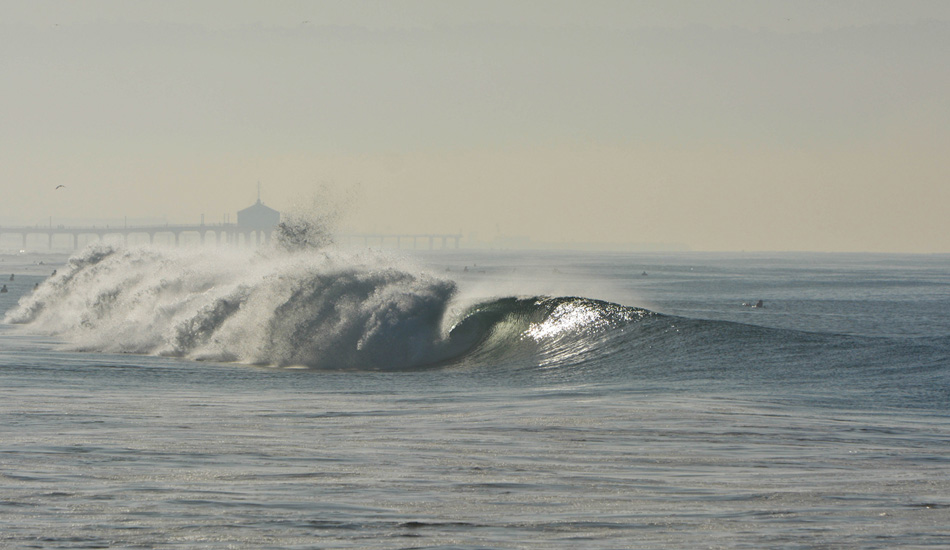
[{"x": 176, "y": 398}]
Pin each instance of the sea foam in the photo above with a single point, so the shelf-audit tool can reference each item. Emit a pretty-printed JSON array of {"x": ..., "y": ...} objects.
[{"x": 324, "y": 309}]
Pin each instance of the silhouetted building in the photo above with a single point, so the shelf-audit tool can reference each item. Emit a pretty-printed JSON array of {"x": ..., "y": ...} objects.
[{"x": 258, "y": 216}]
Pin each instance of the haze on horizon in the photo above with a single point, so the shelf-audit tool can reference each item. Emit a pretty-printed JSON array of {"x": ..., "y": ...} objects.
[{"x": 732, "y": 125}]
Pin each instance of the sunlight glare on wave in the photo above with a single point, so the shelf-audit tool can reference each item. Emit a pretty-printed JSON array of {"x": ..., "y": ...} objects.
[{"x": 580, "y": 317}]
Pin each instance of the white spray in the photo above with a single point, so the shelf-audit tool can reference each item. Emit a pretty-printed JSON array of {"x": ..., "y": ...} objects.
[{"x": 319, "y": 308}]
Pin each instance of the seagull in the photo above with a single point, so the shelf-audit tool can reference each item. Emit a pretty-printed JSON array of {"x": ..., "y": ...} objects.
[{"x": 60, "y": 185}]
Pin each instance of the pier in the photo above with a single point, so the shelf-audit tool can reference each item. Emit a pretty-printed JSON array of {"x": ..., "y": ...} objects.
[
  {"x": 255, "y": 226},
  {"x": 222, "y": 234}
]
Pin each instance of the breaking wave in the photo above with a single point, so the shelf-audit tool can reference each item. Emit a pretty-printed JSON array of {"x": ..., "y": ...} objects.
[{"x": 323, "y": 309}]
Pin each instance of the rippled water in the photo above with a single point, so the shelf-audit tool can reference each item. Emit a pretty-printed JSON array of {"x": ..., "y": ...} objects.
[{"x": 838, "y": 439}]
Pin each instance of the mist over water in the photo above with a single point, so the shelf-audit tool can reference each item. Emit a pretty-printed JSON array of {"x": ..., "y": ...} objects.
[{"x": 304, "y": 395}]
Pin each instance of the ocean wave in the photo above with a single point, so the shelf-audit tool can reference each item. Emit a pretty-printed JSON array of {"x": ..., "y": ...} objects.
[{"x": 322, "y": 309}]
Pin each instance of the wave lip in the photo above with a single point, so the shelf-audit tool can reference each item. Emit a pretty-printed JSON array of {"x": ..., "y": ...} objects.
[{"x": 543, "y": 330}]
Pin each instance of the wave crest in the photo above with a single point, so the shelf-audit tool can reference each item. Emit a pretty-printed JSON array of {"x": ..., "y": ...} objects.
[{"x": 317, "y": 308}]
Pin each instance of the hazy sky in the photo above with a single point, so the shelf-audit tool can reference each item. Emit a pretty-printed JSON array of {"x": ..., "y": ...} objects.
[{"x": 722, "y": 125}]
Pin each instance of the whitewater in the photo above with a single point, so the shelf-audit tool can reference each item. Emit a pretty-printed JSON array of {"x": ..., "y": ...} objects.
[{"x": 321, "y": 397}]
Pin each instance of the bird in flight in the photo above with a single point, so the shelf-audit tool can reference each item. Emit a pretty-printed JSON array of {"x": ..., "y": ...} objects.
[{"x": 60, "y": 185}]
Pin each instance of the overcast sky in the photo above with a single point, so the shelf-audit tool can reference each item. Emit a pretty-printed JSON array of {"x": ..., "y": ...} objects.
[{"x": 724, "y": 125}]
